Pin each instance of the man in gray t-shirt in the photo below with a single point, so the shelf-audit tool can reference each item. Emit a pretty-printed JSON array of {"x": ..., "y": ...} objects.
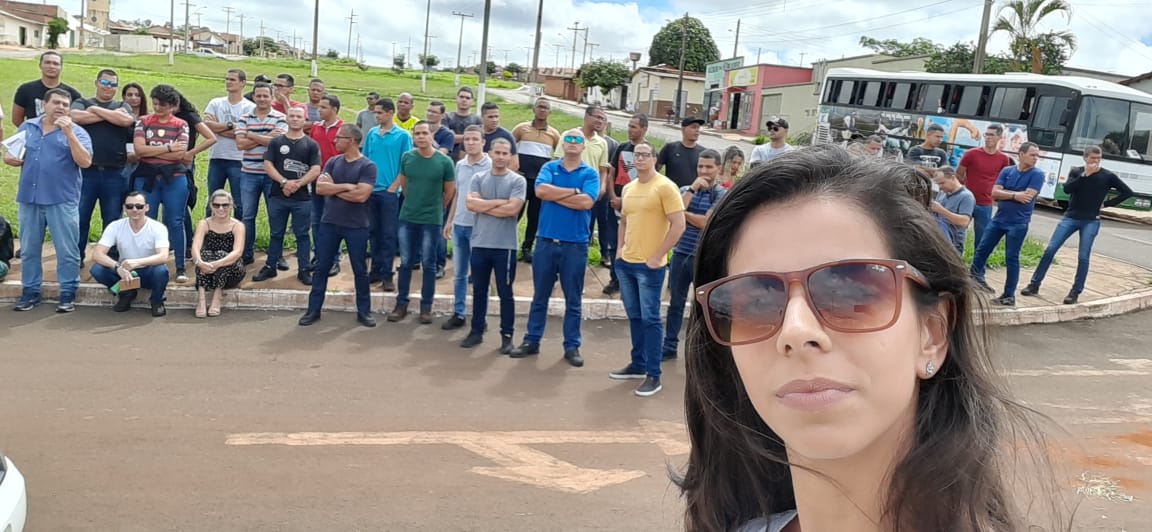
[
  {"x": 495, "y": 196},
  {"x": 953, "y": 206}
]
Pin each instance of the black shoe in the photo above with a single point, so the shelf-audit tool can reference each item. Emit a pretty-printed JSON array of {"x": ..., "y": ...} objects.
[
  {"x": 453, "y": 323},
  {"x": 247, "y": 261},
  {"x": 526, "y": 256},
  {"x": 983, "y": 286},
  {"x": 158, "y": 310},
  {"x": 265, "y": 273},
  {"x": 308, "y": 319},
  {"x": 416, "y": 266},
  {"x": 628, "y": 372},
  {"x": 124, "y": 303},
  {"x": 388, "y": 285},
  {"x": 305, "y": 278},
  {"x": 573, "y": 357},
  {"x": 525, "y": 349},
  {"x": 1004, "y": 301},
  {"x": 282, "y": 264},
  {"x": 612, "y": 287},
  {"x": 27, "y": 303},
  {"x": 668, "y": 355},
  {"x": 334, "y": 270},
  {"x": 439, "y": 272},
  {"x": 1071, "y": 298},
  {"x": 65, "y": 305},
  {"x": 649, "y": 387},
  {"x": 505, "y": 344},
  {"x": 366, "y": 320},
  {"x": 472, "y": 340},
  {"x": 375, "y": 278},
  {"x": 1030, "y": 290}
]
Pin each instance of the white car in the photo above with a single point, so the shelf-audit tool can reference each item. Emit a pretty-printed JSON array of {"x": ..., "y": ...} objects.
[{"x": 13, "y": 498}]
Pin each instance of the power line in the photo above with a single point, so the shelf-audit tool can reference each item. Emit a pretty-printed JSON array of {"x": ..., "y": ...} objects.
[
  {"x": 849, "y": 23},
  {"x": 1109, "y": 29},
  {"x": 869, "y": 30}
]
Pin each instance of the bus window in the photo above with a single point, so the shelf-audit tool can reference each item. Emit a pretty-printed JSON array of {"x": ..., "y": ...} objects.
[
  {"x": 900, "y": 95},
  {"x": 1100, "y": 119},
  {"x": 1008, "y": 103},
  {"x": 970, "y": 100},
  {"x": 930, "y": 99},
  {"x": 833, "y": 90},
  {"x": 871, "y": 94},
  {"x": 1141, "y": 124},
  {"x": 1048, "y": 111},
  {"x": 845, "y": 94}
]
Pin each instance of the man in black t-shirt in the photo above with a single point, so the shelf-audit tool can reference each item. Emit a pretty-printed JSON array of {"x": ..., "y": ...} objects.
[
  {"x": 929, "y": 153},
  {"x": 459, "y": 120},
  {"x": 677, "y": 160},
  {"x": 109, "y": 123},
  {"x": 29, "y": 99},
  {"x": 292, "y": 161}
]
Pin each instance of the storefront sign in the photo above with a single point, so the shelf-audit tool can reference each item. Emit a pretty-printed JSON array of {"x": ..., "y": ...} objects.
[
  {"x": 714, "y": 72},
  {"x": 744, "y": 77}
]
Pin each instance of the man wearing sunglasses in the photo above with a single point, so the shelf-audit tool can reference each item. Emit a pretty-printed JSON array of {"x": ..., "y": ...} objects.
[
  {"x": 777, "y": 142},
  {"x": 651, "y": 222},
  {"x": 143, "y": 244},
  {"x": 567, "y": 189},
  {"x": 109, "y": 122}
]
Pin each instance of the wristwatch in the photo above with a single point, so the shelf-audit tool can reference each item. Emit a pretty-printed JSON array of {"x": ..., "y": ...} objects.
[
  {"x": 576, "y": 190},
  {"x": 283, "y": 181},
  {"x": 231, "y": 125}
]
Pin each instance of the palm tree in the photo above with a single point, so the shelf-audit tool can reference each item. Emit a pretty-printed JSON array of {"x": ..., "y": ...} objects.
[{"x": 1022, "y": 26}]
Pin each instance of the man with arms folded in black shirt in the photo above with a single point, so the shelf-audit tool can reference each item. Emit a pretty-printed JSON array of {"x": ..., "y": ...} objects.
[
  {"x": 292, "y": 161},
  {"x": 1087, "y": 185}
]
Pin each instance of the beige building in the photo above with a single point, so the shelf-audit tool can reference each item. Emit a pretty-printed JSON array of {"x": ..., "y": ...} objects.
[{"x": 652, "y": 91}]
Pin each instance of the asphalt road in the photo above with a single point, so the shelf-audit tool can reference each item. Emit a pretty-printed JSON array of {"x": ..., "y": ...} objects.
[
  {"x": 1120, "y": 240},
  {"x": 122, "y": 422}
]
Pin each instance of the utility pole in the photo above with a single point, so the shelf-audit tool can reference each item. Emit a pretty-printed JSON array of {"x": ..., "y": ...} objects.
[
  {"x": 82, "y": 2},
  {"x": 408, "y": 54},
  {"x": 680, "y": 80},
  {"x": 228, "y": 23},
  {"x": 802, "y": 54},
  {"x": 242, "y": 16},
  {"x": 351, "y": 20},
  {"x": 483, "y": 69},
  {"x": 424, "y": 60},
  {"x": 315, "y": 36},
  {"x": 593, "y": 46},
  {"x": 187, "y": 33},
  {"x": 536, "y": 47},
  {"x": 171, "y": 32},
  {"x": 460, "y": 42},
  {"x": 736, "y": 47},
  {"x": 557, "y": 47},
  {"x": 584, "y": 59},
  {"x": 982, "y": 42},
  {"x": 359, "y": 53},
  {"x": 261, "y": 37},
  {"x": 575, "y": 31}
]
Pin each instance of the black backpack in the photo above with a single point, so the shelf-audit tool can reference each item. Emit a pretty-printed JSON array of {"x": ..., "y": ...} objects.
[{"x": 7, "y": 243}]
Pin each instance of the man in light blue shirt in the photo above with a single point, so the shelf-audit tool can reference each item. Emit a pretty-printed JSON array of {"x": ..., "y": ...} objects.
[
  {"x": 48, "y": 196},
  {"x": 384, "y": 145}
]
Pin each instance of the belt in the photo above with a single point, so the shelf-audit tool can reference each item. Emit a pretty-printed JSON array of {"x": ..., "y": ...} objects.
[
  {"x": 106, "y": 167},
  {"x": 556, "y": 242}
]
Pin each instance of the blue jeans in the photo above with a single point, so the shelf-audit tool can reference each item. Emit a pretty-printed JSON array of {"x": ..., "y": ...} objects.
[
  {"x": 252, "y": 188},
  {"x": 106, "y": 187},
  {"x": 328, "y": 245},
  {"x": 385, "y": 209},
  {"x": 1088, "y": 230},
  {"x": 442, "y": 247},
  {"x": 221, "y": 171},
  {"x": 604, "y": 217},
  {"x": 62, "y": 220},
  {"x": 172, "y": 197},
  {"x": 640, "y": 292},
  {"x": 1013, "y": 235},
  {"x": 279, "y": 209},
  {"x": 417, "y": 239},
  {"x": 461, "y": 259},
  {"x": 485, "y": 263},
  {"x": 679, "y": 281},
  {"x": 552, "y": 259},
  {"x": 981, "y": 215},
  {"x": 189, "y": 222},
  {"x": 154, "y": 278}
]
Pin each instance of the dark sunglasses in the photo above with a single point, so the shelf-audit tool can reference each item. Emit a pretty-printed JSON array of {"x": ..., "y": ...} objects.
[
  {"x": 775, "y": 128},
  {"x": 854, "y": 296},
  {"x": 106, "y": 83},
  {"x": 221, "y": 205},
  {"x": 573, "y": 139},
  {"x": 135, "y": 206}
]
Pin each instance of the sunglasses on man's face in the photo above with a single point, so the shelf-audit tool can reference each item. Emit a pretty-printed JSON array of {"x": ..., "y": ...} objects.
[
  {"x": 775, "y": 128},
  {"x": 852, "y": 296},
  {"x": 134, "y": 206},
  {"x": 573, "y": 139}
]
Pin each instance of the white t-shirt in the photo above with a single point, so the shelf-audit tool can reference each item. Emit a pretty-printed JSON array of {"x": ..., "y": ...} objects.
[
  {"x": 765, "y": 152},
  {"x": 223, "y": 112},
  {"x": 131, "y": 245}
]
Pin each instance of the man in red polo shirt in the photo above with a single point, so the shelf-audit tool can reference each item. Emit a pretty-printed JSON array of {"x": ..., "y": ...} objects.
[
  {"x": 978, "y": 170},
  {"x": 324, "y": 133}
]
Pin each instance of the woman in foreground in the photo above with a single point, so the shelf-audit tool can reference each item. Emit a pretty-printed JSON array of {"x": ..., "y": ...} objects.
[{"x": 836, "y": 380}]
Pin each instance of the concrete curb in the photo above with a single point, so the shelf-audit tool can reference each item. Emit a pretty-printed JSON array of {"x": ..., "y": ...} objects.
[
  {"x": 184, "y": 297},
  {"x": 1120, "y": 216}
]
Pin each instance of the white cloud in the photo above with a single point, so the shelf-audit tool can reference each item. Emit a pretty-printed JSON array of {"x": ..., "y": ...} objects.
[{"x": 783, "y": 31}]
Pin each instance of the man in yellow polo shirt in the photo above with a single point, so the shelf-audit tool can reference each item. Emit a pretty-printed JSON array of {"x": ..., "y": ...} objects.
[
  {"x": 651, "y": 222},
  {"x": 403, "y": 116}
]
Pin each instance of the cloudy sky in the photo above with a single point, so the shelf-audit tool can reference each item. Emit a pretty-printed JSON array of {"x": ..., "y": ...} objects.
[{"x": 1113, "y": 36}]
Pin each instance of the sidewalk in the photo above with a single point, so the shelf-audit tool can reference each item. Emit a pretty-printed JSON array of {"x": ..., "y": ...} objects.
[{"x": 1114, "y": 287}]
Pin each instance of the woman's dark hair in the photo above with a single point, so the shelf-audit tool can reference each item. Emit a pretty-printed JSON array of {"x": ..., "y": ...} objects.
[
  {"x": 953, "y": 477},
  {"x": 186, "y": 106},
  {"x": 166, "y": 94},
  {"x": 143, "y": 96}
]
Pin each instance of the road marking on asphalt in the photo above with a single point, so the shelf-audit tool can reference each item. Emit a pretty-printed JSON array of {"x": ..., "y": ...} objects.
[
  {"x": 1137, "y": 240},
  {"x": 515, "y": 461}
]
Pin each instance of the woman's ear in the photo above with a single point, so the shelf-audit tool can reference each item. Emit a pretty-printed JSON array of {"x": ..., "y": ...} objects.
[{"x": 935, "y": 327}]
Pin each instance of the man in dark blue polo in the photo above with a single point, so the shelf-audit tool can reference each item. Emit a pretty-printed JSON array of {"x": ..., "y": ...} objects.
[
  {"x": 109, "y": 122},
  {"x": 48, "y": 196},
  {"x": 567, "y": 189}
]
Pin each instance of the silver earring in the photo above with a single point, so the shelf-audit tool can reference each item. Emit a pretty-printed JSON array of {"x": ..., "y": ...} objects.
[{"x": 929, "y": 369}]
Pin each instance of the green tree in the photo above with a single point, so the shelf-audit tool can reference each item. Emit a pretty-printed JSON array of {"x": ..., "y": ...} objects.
[
  {"x": 398, "y": 62},
  {"x": 491, "y": 67},
  {"x": 332, "y": 54},
  {"x": 604, "y": 74},
  {"x": 429, "y": 60},
  {"x": 699, "y": 50},
  {"x": 252, "y": 46},
  {"x": 894, "y": 48},
  {"x": 1020, "y": 19},
  {"x": 959, "y": 58},
  {"x": 514, "y": 68},
  {"x": 56, "y": 27}
]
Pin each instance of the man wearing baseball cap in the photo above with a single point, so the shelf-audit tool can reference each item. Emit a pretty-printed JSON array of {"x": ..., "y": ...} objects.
[
  {"x": 677, "y": 160},
  {"x": 777, "y": 137},
  {"x": 260, "y": 78}
]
